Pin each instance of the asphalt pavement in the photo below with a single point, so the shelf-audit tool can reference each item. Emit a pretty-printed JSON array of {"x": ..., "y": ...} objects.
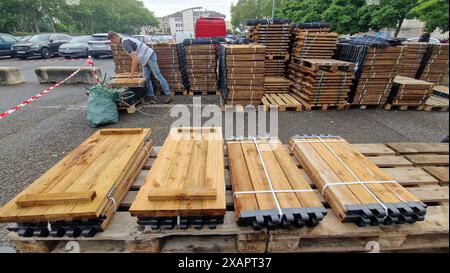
[{"x": 34, "y": 138}]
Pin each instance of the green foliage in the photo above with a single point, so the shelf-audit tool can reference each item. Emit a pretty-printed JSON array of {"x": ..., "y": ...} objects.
[
  {"x": 346, "y": 16},
  {"x": 433, "y": 12},
  {"x": 89, "y": 17}
]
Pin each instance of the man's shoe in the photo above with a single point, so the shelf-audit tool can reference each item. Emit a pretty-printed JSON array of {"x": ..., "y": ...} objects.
[
  {"x": 168, "y": 100},
  {"x": 149, "y": 100}
]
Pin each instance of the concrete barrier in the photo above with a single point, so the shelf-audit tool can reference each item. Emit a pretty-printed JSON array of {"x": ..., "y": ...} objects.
[
  {"x": 10, "y": 76},
  {"x": 57, "y": 74}
]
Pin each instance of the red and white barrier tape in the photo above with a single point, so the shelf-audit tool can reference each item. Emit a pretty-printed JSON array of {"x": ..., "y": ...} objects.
[{"x": 41, "y": 94}]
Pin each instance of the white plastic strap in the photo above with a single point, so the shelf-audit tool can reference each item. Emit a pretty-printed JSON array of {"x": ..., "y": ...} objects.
[
  {"x": 274, "y": 191},
  {"x": 178, "y": 220},
  {"x": 280, "y": 211},
  {"x": 354, "y": 175}
]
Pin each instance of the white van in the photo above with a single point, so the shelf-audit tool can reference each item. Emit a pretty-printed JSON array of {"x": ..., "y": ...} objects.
[{"x": 181, "y": 36}]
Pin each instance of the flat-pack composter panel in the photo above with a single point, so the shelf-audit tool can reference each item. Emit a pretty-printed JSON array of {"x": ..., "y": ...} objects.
[
  {"x": 85, "y": 185},
  {"x": 172, "y": 64},
  {"x": 201, "y": 63},
  {"x": 275, "y": 34},
  {"x": 242, "y": 73},
  {"x": 269, "y": 190},
  {"x": 409, "y": 92},
  {"x": 377, "y": 63},
  {"x": 122, "y": 60},
  {"x": 434, "y": 64},
  {"x": 356, "y": 189},
  {"x": 321, "y": 81},
  {"x": 186, "y": 184}
]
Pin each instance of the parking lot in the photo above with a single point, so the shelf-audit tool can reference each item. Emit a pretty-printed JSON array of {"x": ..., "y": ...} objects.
[{"x": 39, "y": 135}]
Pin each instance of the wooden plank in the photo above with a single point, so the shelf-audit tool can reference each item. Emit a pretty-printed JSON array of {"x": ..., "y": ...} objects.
[
  {"x": 45, "y": 199},
  {"x": 390, "y": 161},
  {"x": 373, "y": 149},
  {"x": 419, "y": 148},
  {"x": 440, "y": 173},
  {"x": 428, "y": 159},
  {"x": 182, "y": 194}
]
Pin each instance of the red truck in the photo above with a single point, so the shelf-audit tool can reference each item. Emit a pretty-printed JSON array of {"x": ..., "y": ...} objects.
[{"x": 210, "y": 27}]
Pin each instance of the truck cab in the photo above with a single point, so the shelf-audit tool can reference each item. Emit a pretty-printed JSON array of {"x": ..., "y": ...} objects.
[{"x": 210, "y": 27}]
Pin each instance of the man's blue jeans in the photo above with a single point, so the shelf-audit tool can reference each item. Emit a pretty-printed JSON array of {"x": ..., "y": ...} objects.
[{"x": 152, "y": 66}]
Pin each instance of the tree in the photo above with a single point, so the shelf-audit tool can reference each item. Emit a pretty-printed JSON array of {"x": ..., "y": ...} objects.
[
  {"x": 392, "y": 13},
  {"x": 88, "y": 17},
  {"x": 434, "y": 13}
]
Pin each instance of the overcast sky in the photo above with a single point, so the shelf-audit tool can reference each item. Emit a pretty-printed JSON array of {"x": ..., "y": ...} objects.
[{"x": 165, "y": 7}]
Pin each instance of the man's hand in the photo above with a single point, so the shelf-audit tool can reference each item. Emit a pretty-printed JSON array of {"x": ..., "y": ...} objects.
[
  {"x": 134, "y": 65},
  {"x": 131, "y": 76}
]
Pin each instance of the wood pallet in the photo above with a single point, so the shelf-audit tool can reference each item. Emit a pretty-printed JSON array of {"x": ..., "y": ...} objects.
[
  {"x": 331, "y": 162},
  {"x": 321, "y": 82},
  {"x": 276, "y": 85},
  {"x": 265, "y": 165},
  {"x": 314, "y": 43},
  {"x": 412, "y": 58},
  {"x": 281, "y": 102},
  {"x": 124, "y": 235},
  {"x": 186, "y": 186},
  {"x": 318, "y": 106},
  {"x": 73, "y": 198},
  {"x": 436, "y": 103}
]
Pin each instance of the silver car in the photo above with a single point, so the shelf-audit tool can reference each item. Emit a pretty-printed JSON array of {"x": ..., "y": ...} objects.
[
  {"x": 76, "y": 47},
  {"x": 99, "y": 46}
]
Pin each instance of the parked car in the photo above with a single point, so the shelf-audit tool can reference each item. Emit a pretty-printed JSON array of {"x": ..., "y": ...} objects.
[
  {"x": 42, "y": 45},
  {"x": 99, "y": 46},
  {"x": 144, "y": 38},
  {"x": 432, "y": 40},
  {"x": 23, "y": 38},
  {"x": 6, "y": 42},
  {"x": 76, "y": 47}
]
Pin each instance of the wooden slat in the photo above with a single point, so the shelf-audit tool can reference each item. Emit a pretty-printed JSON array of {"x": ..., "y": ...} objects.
[
  {"x": 440, "y": 173},
  {"x": 428, "y": 159},
  {"x": 419, "y": 148},
  {"x": 183, "y": 194},
  {"x": 42, "y": 199}
]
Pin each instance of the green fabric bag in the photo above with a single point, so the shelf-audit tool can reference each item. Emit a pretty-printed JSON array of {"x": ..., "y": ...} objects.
[{"x": 102, "y": 107}]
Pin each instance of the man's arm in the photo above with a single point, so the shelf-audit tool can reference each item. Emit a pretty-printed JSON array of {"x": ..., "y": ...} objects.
[{"x": 134, "y": 65}]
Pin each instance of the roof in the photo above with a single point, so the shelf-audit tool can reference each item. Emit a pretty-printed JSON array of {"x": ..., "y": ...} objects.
[{"x": 210, "y": 13}]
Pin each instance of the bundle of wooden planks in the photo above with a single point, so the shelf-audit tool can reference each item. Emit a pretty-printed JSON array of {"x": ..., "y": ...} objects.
[
  {"x": 172, "y": 64},
  {"x": 122, "y": 69},
  {"x": 269, "y": 190},
  {"x": 313, "y": 43},
  {"x": 435, "y": 64},
  {"x": 122, "y": 61},
  {"x": 242, "y": 73},
  {"x": 186, "y": 184},
  {"x": 318, "y": 82},
  {"x": 276, "y": 37},
  {"x": 276, "y": 85},
  {"x": 376, "y": 69},
  {"x": 409, "y": 92},
  {"x": 356, "y": 189},
  {"x": 79, "y": 195},
  {"x": 411, "y": 59},
  {"x": 201, "y": 64}
]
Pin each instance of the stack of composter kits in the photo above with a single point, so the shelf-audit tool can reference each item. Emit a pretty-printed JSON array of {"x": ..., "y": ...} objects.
[
  {"x": 377, "y": 63},
  {"x": 320, "y": 82},
  {"x": 242, "y": 73},
  {"x": 186, "y": 184},
  {"x": 201, "y": 64},
  {"x": 356, "y": 189},
  {"x": 122, "y": 69},
  {"x": 408, "y": 92},
  {"x": 172, "y": 63},
  {"x": 269, "y": 190},
  {"x": 275, "y": 35},
  {"x": 80, "y": 194},
  {"x": 314, "y": 41},
  {"x": 411, "y": 59},
  {"x": 434, "y": 64}
]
